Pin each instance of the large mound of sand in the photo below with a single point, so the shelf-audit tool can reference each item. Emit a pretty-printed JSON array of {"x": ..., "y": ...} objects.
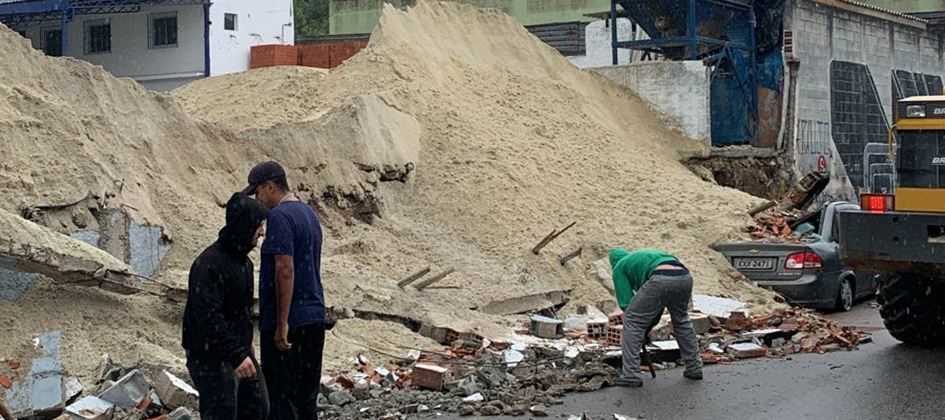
[
  {"x": 470, "y": 137},
  {"x": 516, "y": 142}
]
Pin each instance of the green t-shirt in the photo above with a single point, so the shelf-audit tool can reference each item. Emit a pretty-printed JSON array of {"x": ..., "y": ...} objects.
[{"x": 632, "y": 269}]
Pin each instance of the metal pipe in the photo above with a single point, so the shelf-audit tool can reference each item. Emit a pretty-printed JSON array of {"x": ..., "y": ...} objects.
[
  {"x": 691, "y": 31},
  {"x": 613, "y": 31},
  {"x": 206, "y": 39}
]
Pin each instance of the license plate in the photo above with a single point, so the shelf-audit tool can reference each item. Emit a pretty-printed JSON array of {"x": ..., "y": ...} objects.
[{"x": 755, "y": 264}]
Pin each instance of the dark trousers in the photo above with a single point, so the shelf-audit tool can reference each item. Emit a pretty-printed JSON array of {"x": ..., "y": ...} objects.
[
  {"x": 294, "y": 375},
  {"x": 223, "y": 396}
]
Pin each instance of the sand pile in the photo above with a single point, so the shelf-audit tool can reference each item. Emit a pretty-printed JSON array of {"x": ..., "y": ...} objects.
[
  {"x": 455, "y": 140},
  {"x": 515, "y": 142}
]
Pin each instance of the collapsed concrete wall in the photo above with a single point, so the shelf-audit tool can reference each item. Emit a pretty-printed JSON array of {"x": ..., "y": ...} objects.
[
  {"x": 28, "y": 250},
  {"x": 677, "y": 89},
  {"x": 846, "y": 58}
]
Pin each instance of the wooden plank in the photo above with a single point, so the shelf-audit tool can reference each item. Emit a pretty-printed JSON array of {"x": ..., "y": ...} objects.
[
  {"x": 413, "y": 277},
  {"x": 428, "y": 282}
]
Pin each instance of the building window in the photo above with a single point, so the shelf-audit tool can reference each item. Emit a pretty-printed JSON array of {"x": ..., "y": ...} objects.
[
  {"x": 163, "y": 30},
  {"x": 229, "y": 21},
  {"x": 52, "y": 42},
  {"x": 98, "y": 37}
]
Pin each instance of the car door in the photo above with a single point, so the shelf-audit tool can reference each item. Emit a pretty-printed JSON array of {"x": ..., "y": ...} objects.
[{"x": 865, "y": 282}]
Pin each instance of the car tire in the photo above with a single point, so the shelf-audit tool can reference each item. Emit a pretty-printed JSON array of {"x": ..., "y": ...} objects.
[
  {"x": 912, "y": 310},
  {"x": 845, "y": 296}
]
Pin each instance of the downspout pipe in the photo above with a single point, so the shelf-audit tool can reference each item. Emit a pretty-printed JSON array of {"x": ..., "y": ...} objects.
[{"x": 206, "y": 39}]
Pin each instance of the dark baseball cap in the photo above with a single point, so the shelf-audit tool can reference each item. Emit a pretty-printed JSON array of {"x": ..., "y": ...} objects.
[{"x": 266, "y": 171}]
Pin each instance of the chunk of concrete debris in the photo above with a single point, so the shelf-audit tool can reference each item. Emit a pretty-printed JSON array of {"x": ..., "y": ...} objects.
[
  {"x": 538, "y": 410},
  {"x": 429, "y": 376},
  {"x": 747, "y": 350},
  {"x": 341, "y": 398},
  {"x": 72, "y": 387},
  {"x": 544, "y": 327},
  {"x": 583, "y": 416},
  {"x": 700, "y": 322},
  {"x": 512, "y": 357},
  {"x": 716, "y": 306},
  {"x": 91, "y": 408},
  {"x": 182, "y": 413},
  {"x": 477, "y": 397},
  {"x": 174, "y": 392},
  {"x": 128, "y": 391},
  {"x": 469, "y": 386}
]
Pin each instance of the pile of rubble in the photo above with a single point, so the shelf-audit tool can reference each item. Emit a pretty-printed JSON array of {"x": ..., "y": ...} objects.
[
  {"x": 42, "y": 390},
  {"x": 775, "y": 225},
  {"x": 553, "y": 357}
]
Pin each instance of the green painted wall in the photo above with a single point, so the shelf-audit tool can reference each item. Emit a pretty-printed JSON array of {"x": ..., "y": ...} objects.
[
  {"x": 910, "y": 5},
  {"x": 360, "y": 16}
]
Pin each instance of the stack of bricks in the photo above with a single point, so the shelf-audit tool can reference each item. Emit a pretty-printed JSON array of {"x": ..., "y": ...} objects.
[{"x": 273, "y": 55}]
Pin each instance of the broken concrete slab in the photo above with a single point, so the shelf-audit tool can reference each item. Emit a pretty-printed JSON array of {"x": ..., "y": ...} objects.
[
  {"x": 39, "y": 250},
  {"x": 716, "y": 306},
  {"x": 41, "y": 391},
  {"x": 174, "y": 392},
  {"x": 529, "y": 303},
  {"x": 91, "y": 408},
  {"x": 128, "y": 391}
]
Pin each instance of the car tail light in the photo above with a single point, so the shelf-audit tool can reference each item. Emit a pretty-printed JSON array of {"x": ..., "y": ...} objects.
[
  {"x": 877, "y": 203},
  {"x": 802, "y": 260}
]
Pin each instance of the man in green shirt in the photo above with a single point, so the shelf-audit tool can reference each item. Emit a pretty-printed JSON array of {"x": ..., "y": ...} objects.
[{"x": 646, "y": 281}]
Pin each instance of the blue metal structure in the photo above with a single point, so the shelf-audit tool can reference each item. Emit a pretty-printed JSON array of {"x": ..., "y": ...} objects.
[{"x": 721, "y": 33}]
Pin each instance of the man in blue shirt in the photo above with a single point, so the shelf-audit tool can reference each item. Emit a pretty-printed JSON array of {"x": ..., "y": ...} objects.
[{"x": 291, "y": 300}]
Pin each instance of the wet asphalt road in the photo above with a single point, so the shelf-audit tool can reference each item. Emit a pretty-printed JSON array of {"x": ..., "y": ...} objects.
[{"x": 882, "y": 380}]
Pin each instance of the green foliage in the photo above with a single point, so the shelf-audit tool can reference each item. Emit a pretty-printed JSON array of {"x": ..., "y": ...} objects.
[{"x": 311, "y": 17}]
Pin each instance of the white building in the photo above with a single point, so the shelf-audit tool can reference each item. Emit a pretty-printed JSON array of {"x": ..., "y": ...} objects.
[{"x": 162, "y": 44}]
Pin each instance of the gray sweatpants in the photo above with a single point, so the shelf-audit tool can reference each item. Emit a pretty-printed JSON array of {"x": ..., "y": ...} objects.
[{"x": 660, "y": 291}]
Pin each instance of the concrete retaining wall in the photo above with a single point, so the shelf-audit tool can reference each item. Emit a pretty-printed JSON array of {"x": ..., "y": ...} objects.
[
  {"x": 844, "y": 96},
  {"x": 678, "y": 89}
]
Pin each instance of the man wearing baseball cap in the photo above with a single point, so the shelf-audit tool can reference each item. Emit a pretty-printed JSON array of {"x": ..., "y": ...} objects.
[{"x": 291, "y": 299}]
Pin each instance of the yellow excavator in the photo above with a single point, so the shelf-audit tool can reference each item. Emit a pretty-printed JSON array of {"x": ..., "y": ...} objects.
[{"x": 899, "y": 230}]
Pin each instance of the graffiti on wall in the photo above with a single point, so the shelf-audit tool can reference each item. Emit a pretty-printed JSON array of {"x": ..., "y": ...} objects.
[{"x": 813, "y": 145}]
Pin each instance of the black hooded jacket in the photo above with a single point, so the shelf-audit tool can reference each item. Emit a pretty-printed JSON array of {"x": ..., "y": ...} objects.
[{"x": 217, "y": 324}]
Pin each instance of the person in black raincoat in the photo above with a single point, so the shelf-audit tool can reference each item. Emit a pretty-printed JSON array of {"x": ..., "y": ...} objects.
[{"x": 217, "y": 330}]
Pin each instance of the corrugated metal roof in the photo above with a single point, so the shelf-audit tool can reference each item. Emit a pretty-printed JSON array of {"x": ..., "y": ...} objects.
[{"x": 883, "y": 9}]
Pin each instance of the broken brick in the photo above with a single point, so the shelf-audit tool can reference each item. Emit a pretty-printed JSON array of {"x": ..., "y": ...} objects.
[
  {"x": 5, "y": 382},
  {"x": 597, "y": 329},
  {"x": 615, "y": 335},
  {"x": 429, "y": 376},
  {"x": 615, "y": 318}
]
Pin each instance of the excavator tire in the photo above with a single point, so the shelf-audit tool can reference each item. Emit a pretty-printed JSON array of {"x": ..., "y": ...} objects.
[{"x": 913, "y": 310}]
